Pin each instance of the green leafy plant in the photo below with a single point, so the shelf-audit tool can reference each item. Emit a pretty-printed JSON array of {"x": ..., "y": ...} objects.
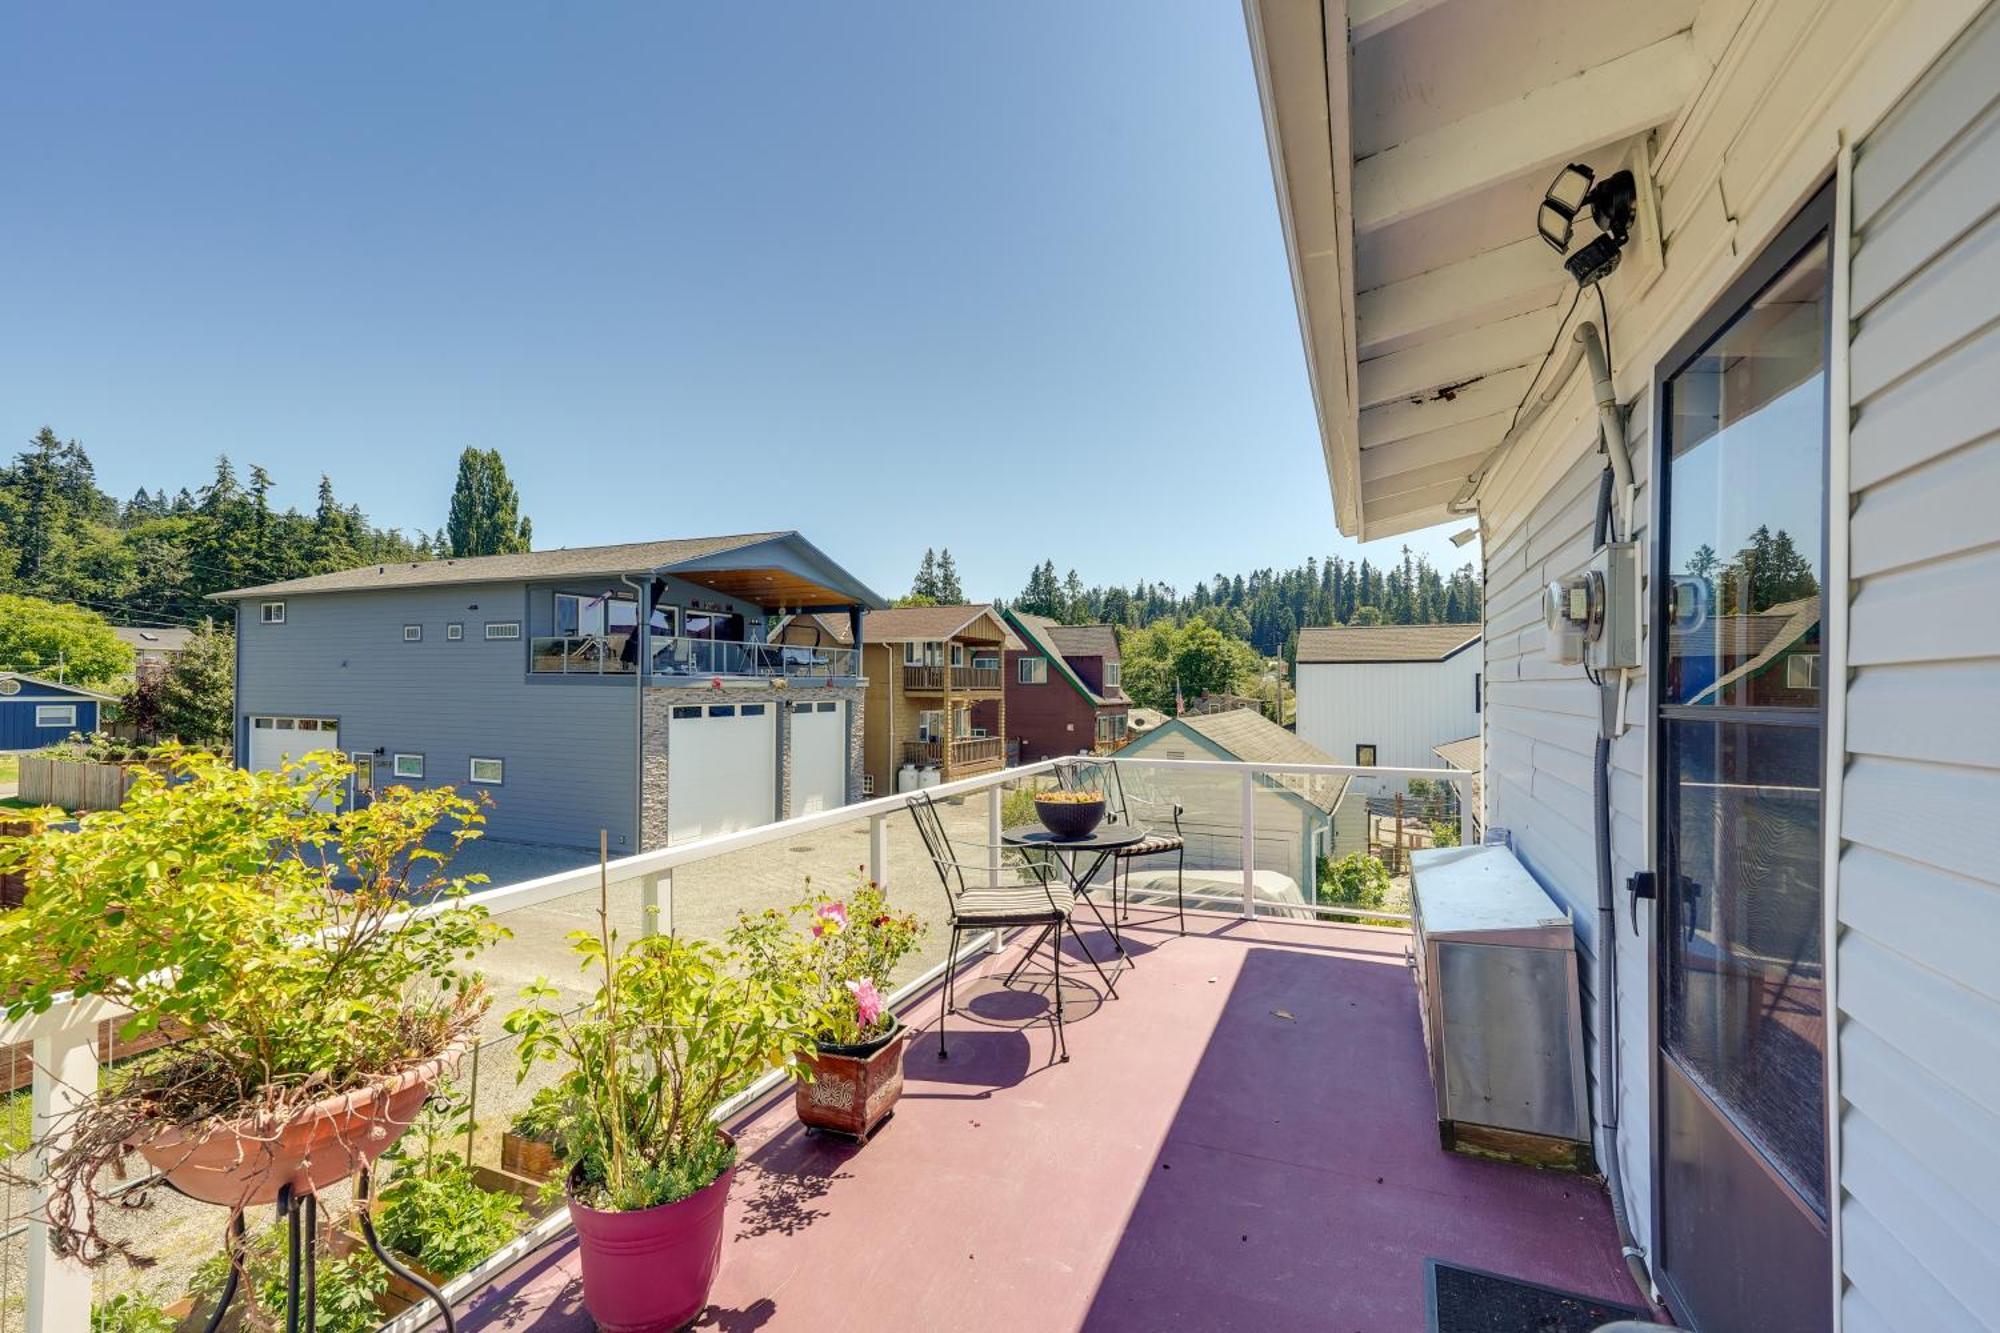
[
  {"x": 676, "y": 1027},
  {"x": 1356, "y": 880},
  {"x": 841, "y": 961},
  {"x": 346, "y": 1288},
  {"x": 540, "y": 1119},
  {"x": 208, "y": 906},
  {"x": 126, "y": 1313},
  {"x": 433, "y": 1209}
]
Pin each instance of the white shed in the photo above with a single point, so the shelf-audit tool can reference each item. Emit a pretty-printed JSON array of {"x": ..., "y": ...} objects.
[{"x": 1388, "y": 694}]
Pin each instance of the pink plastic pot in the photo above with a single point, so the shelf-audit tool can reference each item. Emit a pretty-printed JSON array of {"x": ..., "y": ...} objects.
[{"x": 650, "y": 1271}]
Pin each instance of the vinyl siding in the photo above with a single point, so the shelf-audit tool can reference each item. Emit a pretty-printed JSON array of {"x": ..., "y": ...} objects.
[
  {"x": 1401, "y": 708},
  {"x": 1919, "y": 891},
  {"x": 17, "y": 716},
  {"x": 1541, "y": 723},
  {"x": 568, "y": 743}
]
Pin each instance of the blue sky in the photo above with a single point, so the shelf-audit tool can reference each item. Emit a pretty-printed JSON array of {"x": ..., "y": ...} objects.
[{"x": 1005, "y": 278}]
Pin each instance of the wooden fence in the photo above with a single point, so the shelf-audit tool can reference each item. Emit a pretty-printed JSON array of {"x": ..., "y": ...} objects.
[{"x": 74, "y": 785}]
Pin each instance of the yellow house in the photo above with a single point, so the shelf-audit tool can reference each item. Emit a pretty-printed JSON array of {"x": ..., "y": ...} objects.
[{"x": 927, "y": 666}]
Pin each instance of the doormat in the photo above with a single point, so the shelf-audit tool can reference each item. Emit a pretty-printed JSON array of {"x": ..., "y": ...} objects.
[{"x": 1466, "y": 1300}]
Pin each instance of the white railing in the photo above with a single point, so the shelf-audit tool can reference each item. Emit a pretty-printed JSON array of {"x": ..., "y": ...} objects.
[{"x": 64, "y": 1040}]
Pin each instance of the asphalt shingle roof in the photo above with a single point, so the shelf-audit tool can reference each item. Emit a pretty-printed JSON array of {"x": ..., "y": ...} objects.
[
  {"x": 1246, "y": 734},
  {"x": 1383, "y": 643},
  {"x": 900, "y": 623}
]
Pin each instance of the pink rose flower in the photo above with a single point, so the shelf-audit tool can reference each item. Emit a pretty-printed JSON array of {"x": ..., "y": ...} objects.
[
  {"x": 867, "y": 1002},
  {"x": 829, "y": 917}
]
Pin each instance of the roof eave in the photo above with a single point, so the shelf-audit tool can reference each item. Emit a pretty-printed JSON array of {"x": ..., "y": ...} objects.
[{"x": 1300, "y": 56}]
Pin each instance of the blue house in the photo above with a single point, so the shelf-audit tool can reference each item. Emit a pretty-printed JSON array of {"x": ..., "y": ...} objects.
[
  {"x": 632, "y": 688},
  {"x": 36, "y": 712}
]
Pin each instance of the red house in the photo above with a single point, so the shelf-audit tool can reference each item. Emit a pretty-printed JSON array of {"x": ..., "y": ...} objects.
[{"x": 1063, "y": 690}]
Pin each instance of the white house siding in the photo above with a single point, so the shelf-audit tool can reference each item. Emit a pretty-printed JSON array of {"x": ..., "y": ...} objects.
[
  {"x": 1401, "y": 708},
  {"x": 1541, "y": 723},
  {"x": 1919, "y": 885}
]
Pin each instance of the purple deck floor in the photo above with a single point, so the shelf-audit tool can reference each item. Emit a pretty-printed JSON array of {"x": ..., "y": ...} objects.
[{"x": 1244, "y": 1139}]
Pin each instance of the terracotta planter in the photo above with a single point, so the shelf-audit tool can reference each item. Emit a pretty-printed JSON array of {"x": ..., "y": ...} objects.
[
  {"x": 246, "y": 1162},
  {"x": 853, "y": 1088},
  {"x": 1070, "y": 819},
  {"x": 650, "y": 1271},
  {"x": 531, "y": 1158}
]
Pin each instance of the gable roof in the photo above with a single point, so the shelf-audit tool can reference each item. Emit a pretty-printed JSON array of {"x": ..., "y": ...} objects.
[
  {"x": 54, "y": 685},
  {"x": 154, "y": 638},
  {"x": 1246, "y": 734},
  {"x": 1323, "y": 644},
  {"x": 835, "y": 628},
  {"x": 1085, "y": 640},
  {"x": 1038, "y": 634},
  {"x": 901, "y": 624},
  {"x": 691, "y": 557}
]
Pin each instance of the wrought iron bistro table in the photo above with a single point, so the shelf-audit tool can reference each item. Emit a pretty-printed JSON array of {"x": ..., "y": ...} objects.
[{"x": 1089, "y": 852}]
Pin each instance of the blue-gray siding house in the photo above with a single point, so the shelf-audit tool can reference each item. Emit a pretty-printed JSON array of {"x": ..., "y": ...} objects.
[
  {"x": 36, "y": 712},
  {"x": 630, "y": 689}
]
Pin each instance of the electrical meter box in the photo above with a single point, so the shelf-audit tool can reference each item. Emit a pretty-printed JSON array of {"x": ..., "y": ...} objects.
[{"x": 1592, "y": 616}]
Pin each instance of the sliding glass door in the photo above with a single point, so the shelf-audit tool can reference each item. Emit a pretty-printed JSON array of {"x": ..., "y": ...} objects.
[{"x": 1742, "y": 1004}]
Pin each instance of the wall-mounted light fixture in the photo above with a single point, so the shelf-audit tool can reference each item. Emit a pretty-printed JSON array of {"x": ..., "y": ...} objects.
[
  {"x": 1464, "y": 535},
  {"x": 1613, "y": 202}
]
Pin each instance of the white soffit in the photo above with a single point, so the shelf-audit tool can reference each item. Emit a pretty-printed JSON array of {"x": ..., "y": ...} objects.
[{"x": 1409, "y": 160}]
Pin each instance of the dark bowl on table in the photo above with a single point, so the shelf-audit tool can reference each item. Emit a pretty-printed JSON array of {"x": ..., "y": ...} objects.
[{"x": 1070, "y": 819}]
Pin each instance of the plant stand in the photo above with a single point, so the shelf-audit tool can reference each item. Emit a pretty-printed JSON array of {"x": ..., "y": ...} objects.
[{"x": 300, "y": 1214}]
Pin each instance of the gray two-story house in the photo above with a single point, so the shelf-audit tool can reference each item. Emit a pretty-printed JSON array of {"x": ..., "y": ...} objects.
[{"x": 628, "y": 688}]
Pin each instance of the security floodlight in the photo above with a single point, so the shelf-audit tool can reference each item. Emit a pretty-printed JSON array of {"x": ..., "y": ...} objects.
[
  {"x": 1464, "y": 535},
  {"x": 1613, "y": 202}
]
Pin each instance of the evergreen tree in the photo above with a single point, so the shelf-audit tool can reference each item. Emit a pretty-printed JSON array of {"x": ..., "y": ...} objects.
[
  {"x": 950, "y": 591},
  {"x": 925, "y": 585},
  {"x": 485, "y": 516}
]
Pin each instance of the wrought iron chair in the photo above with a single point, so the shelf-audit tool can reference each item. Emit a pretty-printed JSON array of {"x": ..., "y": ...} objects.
[
  {"x": 1154, "y": 815},
  {"x": 1020, "y": 893}
]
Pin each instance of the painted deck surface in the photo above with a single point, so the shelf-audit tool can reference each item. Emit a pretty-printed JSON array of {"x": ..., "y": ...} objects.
[{"x": 1244, "y": 1139}]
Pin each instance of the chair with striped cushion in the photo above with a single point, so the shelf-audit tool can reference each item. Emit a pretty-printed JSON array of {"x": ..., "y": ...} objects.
[
  {"x": 1159, "y": 816},
  {"x": 1002, "y": 893}
]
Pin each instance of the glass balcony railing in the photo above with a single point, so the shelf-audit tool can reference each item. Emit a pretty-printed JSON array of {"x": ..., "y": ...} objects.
[
  {"x": 693, "y": 657},
  {"x": 583, "y": 655}
]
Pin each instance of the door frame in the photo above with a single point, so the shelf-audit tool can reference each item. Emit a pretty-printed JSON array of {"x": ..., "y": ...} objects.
[{"x": 1817, "y": 215}]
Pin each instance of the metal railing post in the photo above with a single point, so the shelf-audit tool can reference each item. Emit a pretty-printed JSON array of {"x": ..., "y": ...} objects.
[
  {"x": 1249, "y": 846},
  {"x": 653, "y": 889},
  {"x": 995, "y": 796},
  {"x": 878, "y": 849},
  {"x": 59, "y": 1287},
  {"x": 1465, "y": 814}
]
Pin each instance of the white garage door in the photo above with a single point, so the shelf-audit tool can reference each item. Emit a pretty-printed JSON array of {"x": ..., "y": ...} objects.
[
  {"x": 722, "y": 769},
  {"x": 276, "y": 739},
  {"x": 819, "y": 756}
]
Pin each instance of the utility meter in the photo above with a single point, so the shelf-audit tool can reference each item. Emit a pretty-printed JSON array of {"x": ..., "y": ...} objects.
[{"x": 1592, "y": 616}]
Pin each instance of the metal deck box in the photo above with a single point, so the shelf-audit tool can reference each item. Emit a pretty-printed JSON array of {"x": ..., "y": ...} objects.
[{"x": 1502, "y": 1011}]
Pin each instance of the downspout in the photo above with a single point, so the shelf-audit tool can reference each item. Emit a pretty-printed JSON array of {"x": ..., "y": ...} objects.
[
  {"x": 643, "y": 666},
  {"x": 1614, "y": 482}
]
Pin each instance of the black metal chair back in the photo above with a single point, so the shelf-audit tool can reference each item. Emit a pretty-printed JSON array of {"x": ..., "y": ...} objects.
[
  {"x": 1096, "y": 775},
  {"x": 937, "y": 844}
]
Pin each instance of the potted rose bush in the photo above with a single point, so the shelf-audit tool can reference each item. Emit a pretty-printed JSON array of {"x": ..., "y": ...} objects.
[
  {"x": 842, "y": 952},
  {"x": 676, "y": 1026},
  {"x": 270, "y": 936}
]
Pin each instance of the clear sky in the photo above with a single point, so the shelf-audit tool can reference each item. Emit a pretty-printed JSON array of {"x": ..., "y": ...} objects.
[{"x": 1000, "y": 277}]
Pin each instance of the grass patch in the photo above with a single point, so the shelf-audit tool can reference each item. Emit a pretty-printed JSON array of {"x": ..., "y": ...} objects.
[
  {"x": 17, "y": 1121},
  {"x": 10, "y": 768}
]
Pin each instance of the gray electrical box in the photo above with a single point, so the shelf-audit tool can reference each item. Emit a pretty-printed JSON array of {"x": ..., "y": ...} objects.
[
  {"x": 1502, "y": 1010},
  {"x": 1592, "y": 615}
]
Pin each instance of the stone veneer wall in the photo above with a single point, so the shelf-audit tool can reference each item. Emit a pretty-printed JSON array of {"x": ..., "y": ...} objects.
[{"x": 660, "y": 699}]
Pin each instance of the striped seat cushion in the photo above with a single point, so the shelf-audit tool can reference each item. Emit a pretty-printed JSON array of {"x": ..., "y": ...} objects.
[
  {"x": 1152, "y": 843},
  {"x": 1014, "y": 902}
]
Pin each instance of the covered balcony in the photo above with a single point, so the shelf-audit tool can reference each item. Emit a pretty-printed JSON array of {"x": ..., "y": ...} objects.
[{"x": 1245, "y": 1136}]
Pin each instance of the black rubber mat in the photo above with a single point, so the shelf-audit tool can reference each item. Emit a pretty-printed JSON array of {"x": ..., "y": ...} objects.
[{"x": 1465, "y": 1300}]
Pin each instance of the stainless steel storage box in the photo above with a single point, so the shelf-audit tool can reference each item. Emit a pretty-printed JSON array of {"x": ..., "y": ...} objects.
[{"x": 1502, "y": 1009}]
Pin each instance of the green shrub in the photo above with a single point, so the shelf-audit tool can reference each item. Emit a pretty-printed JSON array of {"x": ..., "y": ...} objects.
[
  {"x": 130, "y": 1314},
  {"x": 345, "y": 1288},
  {"x": 1355, "y": 880},
  {"x": 439, "y": 1216}
]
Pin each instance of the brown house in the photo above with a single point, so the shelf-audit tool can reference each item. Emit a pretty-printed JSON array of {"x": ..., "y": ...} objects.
[
  {"x": 932, "y": 670},
  {"x": 1065, "y": 692}
]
